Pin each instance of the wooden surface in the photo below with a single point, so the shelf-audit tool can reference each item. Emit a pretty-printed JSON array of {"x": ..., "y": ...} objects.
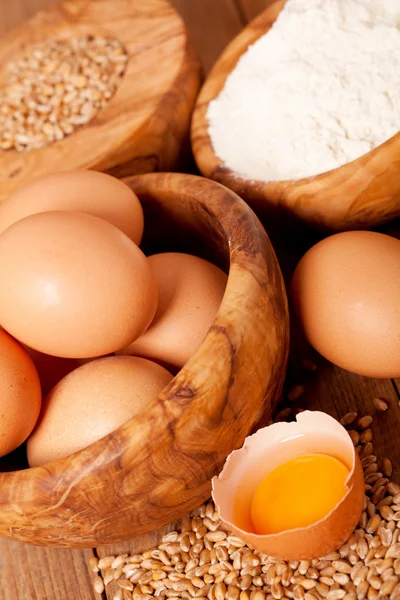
[
  {"x": 145, "y": 123},
  {"x": 359, "y": 195},
  {"x": 32, "y": 573}
]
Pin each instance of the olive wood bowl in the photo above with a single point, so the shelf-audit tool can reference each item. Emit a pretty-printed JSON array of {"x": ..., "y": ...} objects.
[
  {"x": 361, "y": 194},
  {"x": 158, "y": 466},
  {"x": 145, "y": 125}
]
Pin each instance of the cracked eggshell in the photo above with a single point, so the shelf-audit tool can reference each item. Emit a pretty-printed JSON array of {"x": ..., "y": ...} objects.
[{"x": 233, "y": 489}]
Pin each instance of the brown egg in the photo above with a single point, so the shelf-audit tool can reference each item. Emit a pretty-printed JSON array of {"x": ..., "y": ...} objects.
[
  {"x": 73, "y": 285},
  {"x": 346, "y": 291},
  {"x": 89, "y": 192},
  {"x": 190, "y": 293},
  {"x": 51, "y": 369},
  {"x": 233, "y": 490},
  {"x": 20, "y": 394},
  {"x": 91, "y": 402}
]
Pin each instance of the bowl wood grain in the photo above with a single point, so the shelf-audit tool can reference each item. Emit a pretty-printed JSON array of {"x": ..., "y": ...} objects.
[
  {"x": 359, "y": 195},
  {"x": 158, "y": 466}
]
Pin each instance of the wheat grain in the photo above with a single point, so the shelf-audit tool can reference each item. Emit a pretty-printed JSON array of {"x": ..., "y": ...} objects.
[
  {"x": 295, "y": 393},
  {"x": 309, "y": 365},
  {"x": 364, "y": 422},
  {"x": 380, "y": 404},
  {"x": 387, "y": 468},
  {"x": 56, "y": 87},
  {"x": 348, "y": 418}
]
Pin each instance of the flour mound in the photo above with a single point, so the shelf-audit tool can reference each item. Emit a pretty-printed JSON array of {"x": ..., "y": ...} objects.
[{"x": 320, "y": 89}]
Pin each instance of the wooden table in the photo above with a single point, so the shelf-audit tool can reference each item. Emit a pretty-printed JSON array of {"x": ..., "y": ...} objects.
[{"x": 32, "y": 573}]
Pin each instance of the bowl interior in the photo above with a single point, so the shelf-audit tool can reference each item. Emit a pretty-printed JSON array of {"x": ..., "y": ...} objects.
[
  {"x": 168, "y": 228},
  {"x": 157, "y": 466}
]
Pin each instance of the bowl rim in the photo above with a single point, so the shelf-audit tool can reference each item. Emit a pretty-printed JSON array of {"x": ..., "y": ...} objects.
[{"x": 35, "y": 502}]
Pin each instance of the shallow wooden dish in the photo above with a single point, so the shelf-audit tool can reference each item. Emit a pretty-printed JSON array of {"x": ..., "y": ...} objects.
[
  {"x": 360, "y": 194},
  {"x": 158, "y": 466},
  {"x": 145, "y": 124}
]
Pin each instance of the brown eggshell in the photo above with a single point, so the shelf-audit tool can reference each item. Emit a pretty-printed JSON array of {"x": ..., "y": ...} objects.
[
  {"x": 190, "y": 293},
  {"x": 91, "y": 402},
  {"x": 244, "y": 470},
  {"x": 89, "y": 192},
  {"x": 73, "y": 285},
  {"x": 346, "y": 292},
  {"x": 20, "y": 394},
  {"x": 51, "y": 369}
]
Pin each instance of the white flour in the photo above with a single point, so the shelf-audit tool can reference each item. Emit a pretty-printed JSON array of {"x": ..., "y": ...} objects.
[{"x": 320, "y": 89}]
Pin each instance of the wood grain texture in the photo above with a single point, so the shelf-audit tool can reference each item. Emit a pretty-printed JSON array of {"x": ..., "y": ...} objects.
[
  {"x": 358, "y": 195},
  {"x": 15, "y": 12},
  {"x": 211, "y": 24},
  {"x": 337, "y": 392},
  {"x": 145, "y": 124},
  {"x": 157, "y": 467},
  {"x": 252, "y": 8},
  {"x": 32, "y": 573},
  {"x": 136, "y": 543}
]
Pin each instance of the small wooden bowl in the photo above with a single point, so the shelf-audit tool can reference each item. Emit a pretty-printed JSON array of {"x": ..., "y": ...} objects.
[
  {"x": 157, "y": 467},
  {"x": 145, "y": 124},
  {"x": 358, "y": 195}
]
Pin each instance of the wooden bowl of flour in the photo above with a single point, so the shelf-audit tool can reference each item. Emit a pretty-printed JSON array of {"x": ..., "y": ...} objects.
[
  {"x": 142, "y": 127},
  {"x": 361, "y": 194}
]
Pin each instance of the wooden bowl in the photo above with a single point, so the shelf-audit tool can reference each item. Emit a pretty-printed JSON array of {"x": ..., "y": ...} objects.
[
  {"x": 146, "y": 122},
  {"x": 358, "y": 195},
  {"x": 157, "y": 467}
]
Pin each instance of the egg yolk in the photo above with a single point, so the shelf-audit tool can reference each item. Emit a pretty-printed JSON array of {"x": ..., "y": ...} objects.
[{"x": 298, "y": 493}]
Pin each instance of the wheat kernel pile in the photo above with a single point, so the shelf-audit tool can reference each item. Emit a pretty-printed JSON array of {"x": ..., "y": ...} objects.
[
  {"x": 56, "y": 87},
  {"x": 202, "y": 560}
]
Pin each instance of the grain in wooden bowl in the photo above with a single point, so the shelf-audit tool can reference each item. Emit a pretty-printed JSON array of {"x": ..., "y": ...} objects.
[
  {"x": 358, "y": 195},
  {"x": 158, "y": 466},
  {"x": 104, "y": 84}
]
